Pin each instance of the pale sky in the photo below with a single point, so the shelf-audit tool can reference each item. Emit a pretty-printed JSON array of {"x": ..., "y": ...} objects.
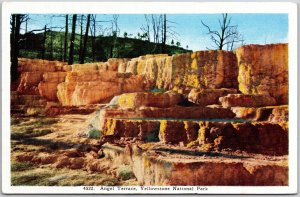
[{"x": 255, "y": 28}]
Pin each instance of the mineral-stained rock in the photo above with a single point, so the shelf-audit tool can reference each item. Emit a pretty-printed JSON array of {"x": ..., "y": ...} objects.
[
  {"x": 148, "y": 99},
  {"x": 255, "y": 137},
  {"x": 264, "y": 69},
  {"x": 144, "y": 130},
  {"x": 57, "y": 77},
  {"x": 29, "y": 82},
  {"x": 80, "y": 90},
  {"x": 191, "y": 129},
  {"x": 208, "y": 96},
  {"x": 242, "y": 100},
  {"x": 270, "y": 113},
  {"x": 131, "y": 66},
  {"x": 205, "y": 69},
  {"x": 174, "y": 170},
  {"x": 58, "y": 110},
  {"x": 48, "y": 90},
  {"x": 48, "y": 87},
  {"x": 279, "y": 114},
  {"x": 171, "y": 112},
  {"x": 32, "y": 65},
  {"x": 172, "y": 132},
  {"x": 85, "y": 67},
  {"x": 83, "y": 93},
  {"x": 90, "y": 75},
  {"x": 114, "y": 63}
]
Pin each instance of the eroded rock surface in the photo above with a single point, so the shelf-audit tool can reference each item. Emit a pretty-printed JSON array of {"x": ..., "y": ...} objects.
[{"x": 263, "y": 69}]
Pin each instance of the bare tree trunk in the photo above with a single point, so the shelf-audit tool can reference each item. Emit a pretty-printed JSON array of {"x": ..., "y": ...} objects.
[
  {"x": 164, "y": 35},
  {"x": 94, "y": 37},
  {"x": 85, "y": 38},
  {"x": 61, "y": 48},
  {"x": 17, "y": 20},
  {"x": 66, "y": 38},
  {"x": 44, "y": 42},
  {"x": 12, "y": 37},
  {"x": 81, "y": 35},
  {"x": 15, "y": 47},
  {"x": 71, "y": 53},
  {"x": 51, "y": 44}
]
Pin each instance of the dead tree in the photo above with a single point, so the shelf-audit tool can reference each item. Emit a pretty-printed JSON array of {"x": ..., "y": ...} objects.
[
  {"x": 44, "y": 42},
  {"x": 93, "y": 32},
  {"x": 224, "y": 35},
  {"x": 71, "y": 52},
  {"x": 66, "y": 38},
  {"x": 164, "y": 33},
  {"x": 81, "y": 37},
  {"x": 16, "y": 21},
  {"x": 85, "y": 39},
  {"x": 146, "y": 29}
]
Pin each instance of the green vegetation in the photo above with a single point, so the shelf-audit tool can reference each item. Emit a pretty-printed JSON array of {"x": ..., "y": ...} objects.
[
  {"x": 125, "y": 172},
  {"x": 31, "y": 46}
]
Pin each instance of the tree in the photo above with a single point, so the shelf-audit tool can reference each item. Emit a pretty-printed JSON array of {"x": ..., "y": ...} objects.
[
  {"x": 71, "y": 52},
  {"x": 164, "y": 34},
  {"x": 146, "y": 30},
  {"x": 66, "y": 38},
  {"x": 93, "y": 32},
  {"x": 16, "y": 21},
  {"x": 44, "y": 42},
  {"x": 85, "y": 39},
  {"x": 226, "y": 35},
  {"x": 81, "y": 37}
]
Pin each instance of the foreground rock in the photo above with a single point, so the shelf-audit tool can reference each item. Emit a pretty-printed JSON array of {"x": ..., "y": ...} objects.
[
  {"x": 258, "y": 137},
  {"x": 148, "y": 99},
  {"x": 271, "y": 113},
  {"x": 163, "y": 166},
  {"x": 205, "y": 97},
  {"x": 263, "y": 69},
  {"x": 242, "y": 100}
]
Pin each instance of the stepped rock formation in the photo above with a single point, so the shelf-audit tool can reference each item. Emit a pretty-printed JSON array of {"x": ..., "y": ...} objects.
[
  {"x": 242, "y": 100},
  {"x": 263, "y": 69},
  {"x": 201, "y": 69},
  {"x": 82, "y": 88},
  {"x": 215, "y": 117},
  {"x": 205, "y": 97},
  {"x": 142, "y": 99},
  {"x": 259, "y": 137},
  {"x": 32, "y": 71},
  {"x": 48, "y": 87},
  {"x": 200, "y": 76}
]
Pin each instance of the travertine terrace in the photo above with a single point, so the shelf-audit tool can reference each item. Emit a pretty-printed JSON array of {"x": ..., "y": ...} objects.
[{"x": 202, "y": 118}]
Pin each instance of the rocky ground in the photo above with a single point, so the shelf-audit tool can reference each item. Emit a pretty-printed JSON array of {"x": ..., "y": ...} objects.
[
  {"x": 48, "y": 151},
  {"x": 52, "y": 151}
]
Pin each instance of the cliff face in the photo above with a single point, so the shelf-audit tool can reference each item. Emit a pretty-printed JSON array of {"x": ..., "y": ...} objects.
[
  {"x": 201, "y": 69},
  {"x": 263, "y": 69},
  {"x": 254, "y": 70}
]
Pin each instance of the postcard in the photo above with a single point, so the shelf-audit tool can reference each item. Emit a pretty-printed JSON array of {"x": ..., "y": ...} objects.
[{"x": 149, "y": 98}]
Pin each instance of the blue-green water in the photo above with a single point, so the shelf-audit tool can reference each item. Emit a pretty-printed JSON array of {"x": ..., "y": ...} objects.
[{"x": 189, "y": 119}]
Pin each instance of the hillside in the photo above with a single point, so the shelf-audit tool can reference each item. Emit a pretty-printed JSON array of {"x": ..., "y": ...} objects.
[{"x": 105, "y": 47}]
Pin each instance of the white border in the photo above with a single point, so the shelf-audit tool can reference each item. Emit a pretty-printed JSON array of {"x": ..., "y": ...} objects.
[{"x": 150, "y": 7}]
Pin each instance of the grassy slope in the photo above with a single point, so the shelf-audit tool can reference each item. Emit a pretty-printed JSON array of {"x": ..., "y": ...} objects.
[{"x": 105, "y": 47}]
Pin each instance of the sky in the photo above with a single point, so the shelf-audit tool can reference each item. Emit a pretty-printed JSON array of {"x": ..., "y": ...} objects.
[{"x": 255, "y": 28}]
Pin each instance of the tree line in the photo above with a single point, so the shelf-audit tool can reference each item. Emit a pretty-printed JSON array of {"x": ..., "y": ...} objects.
[{"x": 156, "y": 30}]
